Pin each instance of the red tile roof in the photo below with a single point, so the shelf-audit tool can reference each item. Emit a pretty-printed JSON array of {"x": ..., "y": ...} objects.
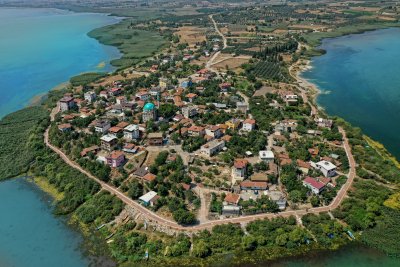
[
  {"x": 250, "y": 184},
  {"x": 232, "y": 198},
  {"x": 314, "y": 183},
  {"x": 149, "y": 177},
  {"x": 116, "y": 154},
  {"x": 240, "y": 163}
]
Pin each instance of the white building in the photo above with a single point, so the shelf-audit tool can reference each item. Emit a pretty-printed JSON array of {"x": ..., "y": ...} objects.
[
  {"x": 266, "y": 155},
  {"x": 131, "y": 132},
  {"x": 326, "y": 167},
  {"x": 148, "y": 198},
  {"x": 249, "y": 125},
  {"x": 212, "y": 147},
  {"x": 90, "y": 96}
]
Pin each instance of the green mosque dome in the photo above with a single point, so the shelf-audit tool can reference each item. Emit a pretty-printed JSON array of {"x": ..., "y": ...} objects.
[{"x": 148, "y": 107}]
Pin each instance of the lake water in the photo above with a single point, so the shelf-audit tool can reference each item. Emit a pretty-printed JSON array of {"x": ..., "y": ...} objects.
[
  {"x": 30, "y": 235},
  {"x": 359, "y": 77},
  {"x": 41, "y": 48}
]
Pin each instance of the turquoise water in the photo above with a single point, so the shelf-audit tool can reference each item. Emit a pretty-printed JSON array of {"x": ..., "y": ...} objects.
[
  {"x": 360, "y": 80},
  {"x": 41, "y": 48},
  {"x": 30, "y": 235}
]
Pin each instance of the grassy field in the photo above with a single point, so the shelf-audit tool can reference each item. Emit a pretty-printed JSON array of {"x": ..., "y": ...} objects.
[
  {"x": 16, "y": 140},
  {"x": 134, "y": 44},
  {"x": 314, "y": 38},
  {"x": 86, "y": 78}
]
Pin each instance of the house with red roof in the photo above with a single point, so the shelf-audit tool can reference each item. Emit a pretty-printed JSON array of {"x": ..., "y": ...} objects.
[
  {"x": 239, "y": 170},
  {"x": 232, "y": 199},
  {"x": 116, "y": 159},
  {"x": 249, "y": 125},
  {"x": 315, "y": 185},
  {"x": 196, "y": 131}
]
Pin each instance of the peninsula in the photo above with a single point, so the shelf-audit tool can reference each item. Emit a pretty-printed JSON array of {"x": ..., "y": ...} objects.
[{"x": 206, "y": 146}]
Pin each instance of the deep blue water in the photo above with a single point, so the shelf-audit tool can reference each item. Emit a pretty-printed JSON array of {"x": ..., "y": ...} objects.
[
  {"x": 30, "y": 235},
  {"x": 360, "y": 81},
  {"x": 41, "y": 48}
]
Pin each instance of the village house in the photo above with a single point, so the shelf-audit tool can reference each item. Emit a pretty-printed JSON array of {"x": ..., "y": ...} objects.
[
  {"x": 104, "y": 94},
  {"x": 224, "y": 87},
  {"x": 90, "y": 96},
  {"x": 212, "y": 148},
  {"x": 254, "y": 186},
  {"x": 163, "y": 83},
  {"x": 142, "y": 95},
  {"x": 108, "y": 142},
  {"x": 242, "y": 107},
  {"x": 66, "y": 103},
  {"x": 230, "y": 210},
  {"x": 189, "y": 111},
  {"x": 290, "y": 98},
  {"x": 279, "y": 198},
  {"x": 191, "y": 97},
  {"x": 120, "y": 100},
  {"x": 155, "y": 139},
  {"x": 233, "y": 124},
  {"x": 286, "y": 126},
  {"x": 303, "y": 166},
  {"x": 116, "y": 159},
  {"x": 326, "y": 167},
  {"x": 65, "y": 127},
  {"x": 92, "y": 149},
  {"x": 266, "y": 155},
  {"x": 149, "y": 177},
  {"x": 249, "y": 125},
  {"x": 196, "y": 131},
  {"x": 115, "y": 91},
  {"x": 115, "y": 130},
  {"x": 213, "y": 131},
  {"x": 130, "y": 148},
  {"x": 313, "y": 184},
  {"x": 239, "y": 170},
  {"x": 259, "y": 177},
  {"x": 149, "y": 199},
  {"x": 102, "y": 127},
  {"x": 324, "y": 123},
  {"x": 131, "y": 132},
  {"x": 232, "y": 199}
]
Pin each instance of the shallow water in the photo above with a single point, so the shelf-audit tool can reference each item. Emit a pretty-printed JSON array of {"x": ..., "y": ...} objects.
[{"x": 30, "y": 235}]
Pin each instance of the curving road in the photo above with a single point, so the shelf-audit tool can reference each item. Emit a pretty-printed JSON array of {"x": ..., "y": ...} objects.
[{"x": 151, "y": 216}]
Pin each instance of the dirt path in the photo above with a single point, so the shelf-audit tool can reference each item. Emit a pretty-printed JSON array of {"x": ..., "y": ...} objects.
[{"x": 210, "y": 62}]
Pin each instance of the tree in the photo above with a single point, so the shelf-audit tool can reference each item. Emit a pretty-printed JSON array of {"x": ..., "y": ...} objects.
[
  {"x": 184, "y": 217},
  {"x": 249, "y": 243},
  {"x": 314, "y": 201},
  {"x": 201, "y": 249},
  {"x": 135, "y": 190},
  {"x": 295, "y": 196}
]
